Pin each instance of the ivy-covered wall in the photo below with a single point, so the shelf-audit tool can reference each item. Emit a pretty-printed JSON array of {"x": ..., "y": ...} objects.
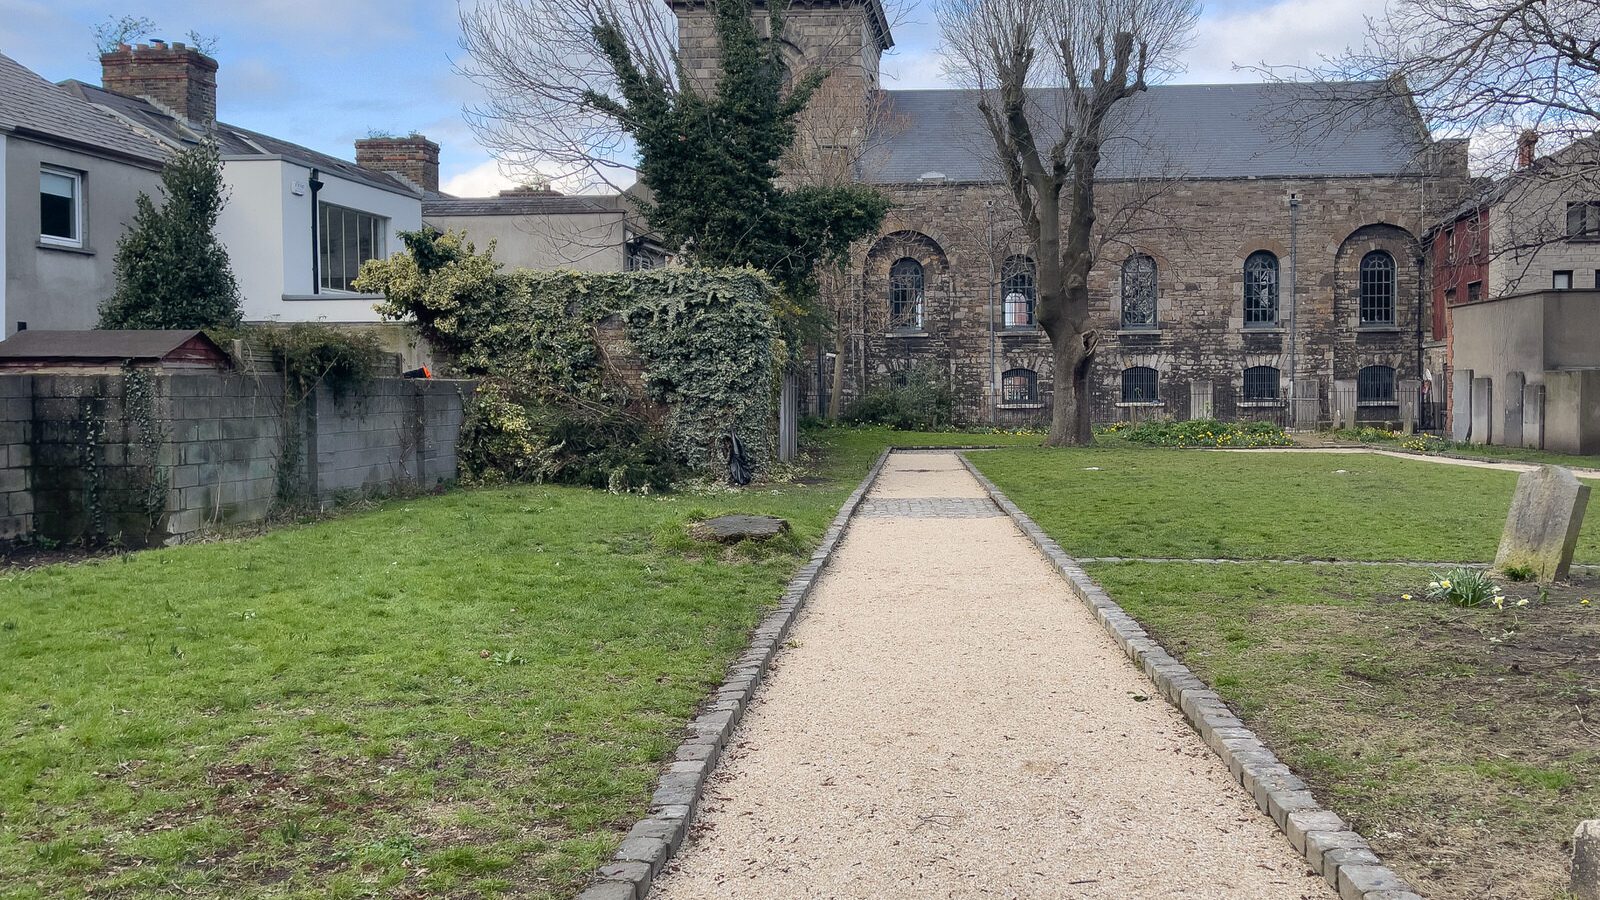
[{"x": 704, "y": 339}]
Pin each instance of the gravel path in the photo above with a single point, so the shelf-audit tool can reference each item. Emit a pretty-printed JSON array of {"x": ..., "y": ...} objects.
[{"x": 947, "y": 722}]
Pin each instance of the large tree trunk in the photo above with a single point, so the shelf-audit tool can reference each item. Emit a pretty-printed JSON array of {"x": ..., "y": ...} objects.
[{"x": 1070, "y": 421}]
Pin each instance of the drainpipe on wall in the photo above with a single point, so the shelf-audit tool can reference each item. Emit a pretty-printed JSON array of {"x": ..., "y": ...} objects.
[
  {"x": 316, "y": 243},
  {"x": 1294, "y": 306},
  {"x": 994, "y": 376}
]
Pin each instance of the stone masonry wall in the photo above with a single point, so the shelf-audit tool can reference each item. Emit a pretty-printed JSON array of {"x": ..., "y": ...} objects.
[
  {"x": 1200, "y": 233},
  {"x": 154, "y": 457}
]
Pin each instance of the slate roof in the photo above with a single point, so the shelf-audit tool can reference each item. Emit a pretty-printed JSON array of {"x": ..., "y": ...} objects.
[
  {"x": 231, "y": 139},
  {"x": 523, "y": 205},
  {"x": 1193, "y": 131},
  {"x": 30, "y": 104}
]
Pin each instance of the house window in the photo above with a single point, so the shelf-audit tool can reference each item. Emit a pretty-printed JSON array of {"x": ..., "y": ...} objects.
[
  {"x": 60, "y": 207},
  {"x": 1450, "y": 297},
  {"x": 1561, "y": 281},
  {"x": 1261, "y": 383},
  {"x": 1139, "y": 292},
  {"x": 905, "y": 294},
  {"x": 1450, "y": 244},
  {"x": 1019, "y": 386},
  {"x": 1377, "y": 289},
  {"x": 1017, "y": 286},
  {"x": 346, "y": 238},
  {"x": 1474, "y": 291},
  {"x": 1260, "y": 290},
  {"x": 1583, "y": 219},
  {"x": 1375, "y": 384},
  {"x": 1139, "y": 385}
]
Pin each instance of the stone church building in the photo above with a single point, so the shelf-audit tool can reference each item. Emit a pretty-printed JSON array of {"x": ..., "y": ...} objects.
[{"x": 1257, "y": 242}]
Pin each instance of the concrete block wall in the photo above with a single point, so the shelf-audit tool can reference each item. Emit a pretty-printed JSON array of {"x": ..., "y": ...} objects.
[
  {"x": 77, "y": 464},
  {"x": 396, "y": 431},
  {"x": 224, "y": 441}
]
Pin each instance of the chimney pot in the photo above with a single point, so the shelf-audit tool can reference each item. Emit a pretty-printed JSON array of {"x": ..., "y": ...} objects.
[{"x": 414, "y": 159}]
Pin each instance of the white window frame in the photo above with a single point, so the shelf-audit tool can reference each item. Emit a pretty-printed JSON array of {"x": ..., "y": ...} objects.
[{"x": 77, "y": 209}]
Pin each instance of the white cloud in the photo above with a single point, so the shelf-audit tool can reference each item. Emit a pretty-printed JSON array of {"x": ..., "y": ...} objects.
[
  {"x": 1286, "y": 33},
  {"x": 482, "y": 180}
]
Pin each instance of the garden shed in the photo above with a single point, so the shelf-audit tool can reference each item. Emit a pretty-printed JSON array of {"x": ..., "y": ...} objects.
[{"x": 91, "y": 352}]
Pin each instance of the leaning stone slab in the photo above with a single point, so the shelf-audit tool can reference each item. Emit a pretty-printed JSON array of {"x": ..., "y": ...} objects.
[
  {"x": 733, "y": 529},
  {"x": 1586, "y": 861},
  {"x": 1542, "y": 527}
]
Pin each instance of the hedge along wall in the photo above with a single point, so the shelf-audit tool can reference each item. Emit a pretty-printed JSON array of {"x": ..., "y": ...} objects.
[{"x": 704, "y": 338}]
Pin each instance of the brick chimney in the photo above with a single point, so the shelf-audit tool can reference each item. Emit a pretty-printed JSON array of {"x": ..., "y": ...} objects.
[
  {"x": 176, "y": 76},
  {"x": 1526, "y": 142},
  {"x": 414, "y": 158}
]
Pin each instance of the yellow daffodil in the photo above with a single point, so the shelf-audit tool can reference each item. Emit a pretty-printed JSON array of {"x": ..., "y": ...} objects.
[
  {"x": 1405, "y": 596},
  {"x": 1584, "y": 602},
  {"x": 1444, "y": 584},
  {"x": 1522, "y": 602}
]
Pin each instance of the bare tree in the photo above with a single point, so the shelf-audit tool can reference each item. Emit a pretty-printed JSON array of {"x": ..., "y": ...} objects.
[
  {"x": 1490, "y": 69},
  {"x": 538, "y": 61},
  {"x": 1049, "y": 74}
]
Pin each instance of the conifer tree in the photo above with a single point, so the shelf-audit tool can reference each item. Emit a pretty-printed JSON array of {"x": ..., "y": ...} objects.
[{"x": 171, "y": 270}]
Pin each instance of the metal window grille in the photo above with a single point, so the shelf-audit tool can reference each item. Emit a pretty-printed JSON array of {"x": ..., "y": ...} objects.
[
  {"x": 1139, "y": 385},
  {"x": 1261, "y": 289},
  {"x": 1375, "y": 384},
  {"x": 1261, "y": 383},
  {"x": 905, "y": 294},
  {"x": 1019, "y": 386},
  {"x": 1018, "y": 285},
  {"x": 1139, "y": 292},
  {"x": 1377, "y": 288}
]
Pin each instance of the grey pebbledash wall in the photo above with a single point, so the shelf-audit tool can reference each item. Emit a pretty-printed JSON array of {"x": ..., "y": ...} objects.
[{"x": 149, "y": 457}]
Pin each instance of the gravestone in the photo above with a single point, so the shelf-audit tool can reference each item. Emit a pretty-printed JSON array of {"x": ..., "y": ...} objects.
[
  {"x": 1482, "y": 410},
  {"x": 1511, "y": 431},
  {"x": 1344, "y": 403},
  {"x": 1408, "y": 392},
  {"x": 1200, "y": 399},
  {"x": 1533, "y": 417},
  {"x": 1542, "y": 527},
  {"x": 1461, "y": 405},
  {"x": 1307, "y": 402},
  {"x": 1586, "y": 861},
  {"x": 736, "y": 528}
]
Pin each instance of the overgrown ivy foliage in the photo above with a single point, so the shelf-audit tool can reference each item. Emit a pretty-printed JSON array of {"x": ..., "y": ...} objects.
[
  {"x": 704, "y": 338},
  {"x": 711, "y": 161},
  {"x": 171, "y": 271}
]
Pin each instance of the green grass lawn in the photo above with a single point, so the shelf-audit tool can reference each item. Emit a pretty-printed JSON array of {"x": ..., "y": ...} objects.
[
  {"x": 1461, "y": 742},
  {"x": 464, "y": 695},
  {"x": 1119, "y": 500}
]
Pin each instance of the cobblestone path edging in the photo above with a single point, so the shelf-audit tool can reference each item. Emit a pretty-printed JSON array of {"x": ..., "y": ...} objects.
[
  {"x": 1329, "y": 845},
  {"x": 656, "y": 837}
]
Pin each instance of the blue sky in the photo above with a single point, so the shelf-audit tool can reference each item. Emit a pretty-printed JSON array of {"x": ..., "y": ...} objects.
[{"x": 325, "y": 72}]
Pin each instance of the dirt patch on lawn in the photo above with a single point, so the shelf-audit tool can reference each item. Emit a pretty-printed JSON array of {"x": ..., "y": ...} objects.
[{"x": 1468, "y": 747}]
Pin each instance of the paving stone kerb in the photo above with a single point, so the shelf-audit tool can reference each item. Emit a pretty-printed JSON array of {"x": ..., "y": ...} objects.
[
  {"x": 1542, "y": 526},
  {"x": 656, "y": 837},
  {"x": 1328, "y": 844}
]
